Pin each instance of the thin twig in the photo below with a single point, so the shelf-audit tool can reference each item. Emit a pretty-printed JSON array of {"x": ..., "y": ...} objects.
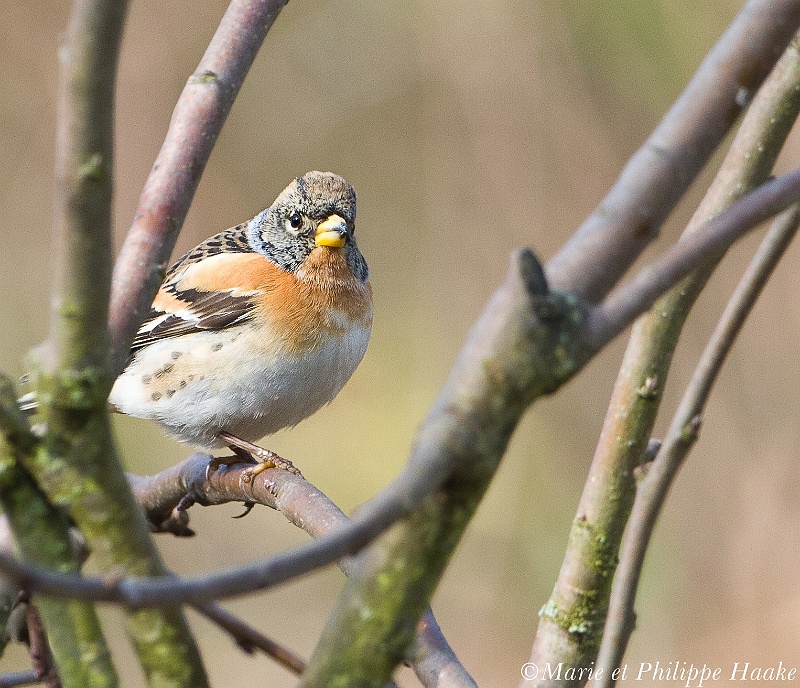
[
  {"x": 654, "y": 486},
  {"x": 249, "y": 639},
  {"x": 38, "y": 647},
  {"x": 196, "y": 123}
]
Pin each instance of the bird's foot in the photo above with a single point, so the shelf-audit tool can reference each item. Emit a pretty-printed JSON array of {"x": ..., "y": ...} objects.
[{"x": 262, "y": 458}]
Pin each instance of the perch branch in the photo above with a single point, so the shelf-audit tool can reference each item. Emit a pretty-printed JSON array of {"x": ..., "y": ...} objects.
[
  {"x": 20, "y": 678},
  {"x": 306, "y": 507}
]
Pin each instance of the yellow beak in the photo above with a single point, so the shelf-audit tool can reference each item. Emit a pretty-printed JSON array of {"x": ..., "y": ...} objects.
[{"x": 333, "y": 232}]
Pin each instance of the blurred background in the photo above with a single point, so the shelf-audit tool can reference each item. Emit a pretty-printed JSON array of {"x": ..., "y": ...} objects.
[{"x": 469, "y": 130}]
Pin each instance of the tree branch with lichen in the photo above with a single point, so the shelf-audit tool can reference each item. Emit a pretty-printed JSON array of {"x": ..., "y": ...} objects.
[
  {"x": 42, "y": 536},
  {"x": 164, "y": 498},
  {"x": 572, "y": 620},
  {"x": 75, "y": 463},
  {"x": 658, "y": 476}
]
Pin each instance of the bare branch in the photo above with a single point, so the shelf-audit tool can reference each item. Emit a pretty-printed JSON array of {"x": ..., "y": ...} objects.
[
  {"x": 249, "y": 639},
  {"x": 306, "y": 507},
  {"x": 196, "y": 123},
  {"x": 39, "y": 649},
  {"x": 84, "y": 183},
  {"x": 656, "y": 177},
  {"x": 21, "y": 678},
  {"x": 654, "y": 486}
]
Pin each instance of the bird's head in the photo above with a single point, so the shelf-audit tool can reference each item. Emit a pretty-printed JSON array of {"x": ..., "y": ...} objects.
[{"x": 316, "y": 212}]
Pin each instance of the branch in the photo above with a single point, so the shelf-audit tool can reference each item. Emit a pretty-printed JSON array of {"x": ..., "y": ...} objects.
[
  {"x": 503, "y": 368},
  {"x": 249, "y": 639},
  {"x": 693, "y": 251},
  {"x": 22, "y": 678},
  {"x": 656, "y": 177},
  {"x": 304, "y": 506},
  {"x": 76, "y": 464},
  {"x": 39, "y": 650},
  {"x": 572, "y": 620},
  {"x": 41, "y": 533},
  {"x": 526, "y": 343},
  {"x": 658, "y": 477},
  {"x": 196, "y": 123}
]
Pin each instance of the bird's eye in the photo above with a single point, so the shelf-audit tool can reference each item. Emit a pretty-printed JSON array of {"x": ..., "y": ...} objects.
[{"x": 295, "y": 220}]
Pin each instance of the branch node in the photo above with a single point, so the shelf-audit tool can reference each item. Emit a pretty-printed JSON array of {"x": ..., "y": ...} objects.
[{"x": 532, "y": 273}]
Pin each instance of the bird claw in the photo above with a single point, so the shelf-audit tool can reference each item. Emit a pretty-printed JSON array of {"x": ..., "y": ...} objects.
[
  {"x": 216, "y": 462},
  {"x": 248, "y": 507},
  {"x": 266, "y": 459},
  {"x": 261, "y": 458}
]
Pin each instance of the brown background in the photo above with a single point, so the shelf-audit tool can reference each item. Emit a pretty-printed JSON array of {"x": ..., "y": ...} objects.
[{"x": 469, "y": 129}]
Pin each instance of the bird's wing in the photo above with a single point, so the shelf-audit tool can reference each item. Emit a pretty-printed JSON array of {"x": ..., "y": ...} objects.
[{"x": 210, "y": 288}]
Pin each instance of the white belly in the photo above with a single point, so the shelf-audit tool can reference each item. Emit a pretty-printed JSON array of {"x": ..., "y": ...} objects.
[{"x": 248, "y": 386}]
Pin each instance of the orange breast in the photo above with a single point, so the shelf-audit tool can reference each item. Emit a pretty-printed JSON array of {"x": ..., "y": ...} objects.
[{"x": 322, "y": 299}]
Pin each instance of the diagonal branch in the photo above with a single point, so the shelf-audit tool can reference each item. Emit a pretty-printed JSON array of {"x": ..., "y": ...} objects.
[
  {"x": 196, "y": 123},
  {"x": 652, "y": 489},
  {"x": 656, "y": 177},
  {"x": 706, "y": 245},
  {"x": 163, "y": 495},
  {"x": 249, "y": 639}
]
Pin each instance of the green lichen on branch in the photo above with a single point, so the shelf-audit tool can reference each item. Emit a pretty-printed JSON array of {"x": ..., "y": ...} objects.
[
  {"x": 580, "y": 612},
  {"x": 42, "y": 536},
  {"x": 76, "y": 463},
  {"x": 203, "y": 78}
]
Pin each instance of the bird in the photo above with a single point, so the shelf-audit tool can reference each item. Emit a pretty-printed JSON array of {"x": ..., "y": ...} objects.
[{"x": 257, "y": 327}]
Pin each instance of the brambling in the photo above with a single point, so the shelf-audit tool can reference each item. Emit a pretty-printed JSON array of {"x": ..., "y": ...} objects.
[{"x": 257, "y": 327}]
